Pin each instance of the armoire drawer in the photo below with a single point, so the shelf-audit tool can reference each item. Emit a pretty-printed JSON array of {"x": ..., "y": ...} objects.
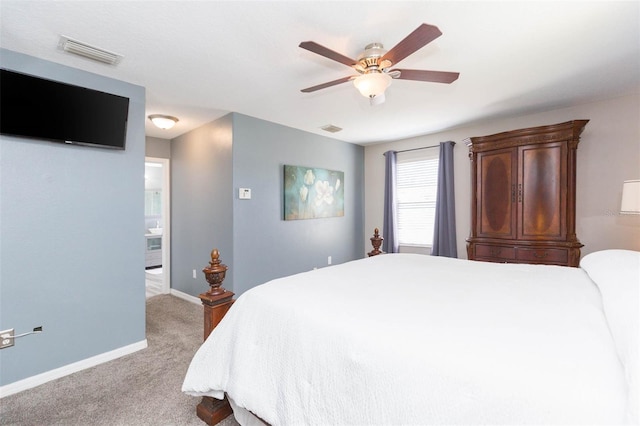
[
  {"x": 495, "y": 252},
  {"x": 543, "y": 255}
]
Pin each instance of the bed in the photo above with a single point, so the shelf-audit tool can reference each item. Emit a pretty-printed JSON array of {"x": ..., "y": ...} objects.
[{"x": 413, "y": 339}]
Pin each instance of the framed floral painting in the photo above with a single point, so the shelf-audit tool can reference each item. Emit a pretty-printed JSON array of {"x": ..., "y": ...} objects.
[{"x": 311, "y": 193}]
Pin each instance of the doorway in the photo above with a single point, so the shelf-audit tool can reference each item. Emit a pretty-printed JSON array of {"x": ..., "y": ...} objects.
[{"x": 157, "y": 222}]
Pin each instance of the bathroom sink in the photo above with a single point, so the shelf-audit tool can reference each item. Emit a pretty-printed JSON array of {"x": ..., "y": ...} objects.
[{"x": 156, "y": 231}]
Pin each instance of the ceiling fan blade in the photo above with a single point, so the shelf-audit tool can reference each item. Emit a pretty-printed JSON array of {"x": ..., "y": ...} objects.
[
  {"x": 432, "y": 76},
  {"x": 314, "y": 47},
  {"x": 420, "y": 37},
  {"x": 328, "y": 84}
]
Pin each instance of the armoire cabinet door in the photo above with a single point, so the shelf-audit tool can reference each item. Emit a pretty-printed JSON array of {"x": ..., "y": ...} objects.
[
  {"x": 541, "y": 192},
  {"x": 496, "y": 193}
]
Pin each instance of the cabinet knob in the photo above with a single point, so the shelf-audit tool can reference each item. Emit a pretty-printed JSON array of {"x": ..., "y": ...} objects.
[{"x": 539, "y": 255}]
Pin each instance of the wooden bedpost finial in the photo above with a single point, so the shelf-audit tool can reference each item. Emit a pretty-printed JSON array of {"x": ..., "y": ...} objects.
[
  {"x": 215, "y": 257},
  {"x": 215, "y": 273},
  {"x": 376, "y": 242}
]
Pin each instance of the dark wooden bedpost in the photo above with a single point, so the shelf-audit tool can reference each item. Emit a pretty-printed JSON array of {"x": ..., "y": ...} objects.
[
  {"x": 216, "y": 302},
  {"x": 376, "y": 242}
]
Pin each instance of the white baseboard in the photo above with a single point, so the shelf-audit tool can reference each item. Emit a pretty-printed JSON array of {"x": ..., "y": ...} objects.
[
  {"x": 185, "y": 296},
  {"x": 40, "y": 379}
]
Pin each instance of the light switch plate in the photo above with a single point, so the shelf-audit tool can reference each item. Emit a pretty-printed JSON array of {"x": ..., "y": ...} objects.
[{"x": 244, "y": 193}]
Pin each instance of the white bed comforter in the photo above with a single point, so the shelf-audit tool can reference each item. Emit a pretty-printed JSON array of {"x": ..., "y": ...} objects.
[{"x": 413, "y": 339}]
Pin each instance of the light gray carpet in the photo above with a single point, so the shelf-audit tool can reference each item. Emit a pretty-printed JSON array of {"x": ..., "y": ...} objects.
[{"x": 138, "y": 389}]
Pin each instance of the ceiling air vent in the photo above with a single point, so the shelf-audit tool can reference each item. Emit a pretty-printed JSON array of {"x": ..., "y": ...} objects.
[
  {"x": 83, "y": 49},
  {"x": 331, "y": 128}
]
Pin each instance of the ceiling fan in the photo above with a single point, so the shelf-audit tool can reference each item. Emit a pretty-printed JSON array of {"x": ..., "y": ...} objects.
[{"x": 374, "y": 64}]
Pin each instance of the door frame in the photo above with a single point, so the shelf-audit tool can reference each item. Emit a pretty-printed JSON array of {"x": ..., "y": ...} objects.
[{"x": 166, "y": 221}]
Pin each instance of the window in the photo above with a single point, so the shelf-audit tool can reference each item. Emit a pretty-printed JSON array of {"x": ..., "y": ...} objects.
[{"x": 417, "y": 185}]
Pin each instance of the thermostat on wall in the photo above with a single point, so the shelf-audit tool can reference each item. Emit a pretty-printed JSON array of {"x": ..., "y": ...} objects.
[{"x": 244, "y": 193}]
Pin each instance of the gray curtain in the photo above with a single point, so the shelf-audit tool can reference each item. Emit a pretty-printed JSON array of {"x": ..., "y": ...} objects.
[
  {"x": 444, "y": 236},
  {"x": 390, "y": 224}
]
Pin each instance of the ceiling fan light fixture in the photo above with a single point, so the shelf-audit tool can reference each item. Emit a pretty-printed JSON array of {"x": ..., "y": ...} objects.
[
  {"x": 163, "y": 122},
  {"x": 372, "y": 84}
]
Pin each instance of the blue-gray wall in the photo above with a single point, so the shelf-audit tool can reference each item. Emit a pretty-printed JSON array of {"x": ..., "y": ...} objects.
[
  {"x": 266, "y": 246},
  {"x": 211, "y": 163},
  {"x": 201, "y": 203},
  {"x": 71, "y": 250}
]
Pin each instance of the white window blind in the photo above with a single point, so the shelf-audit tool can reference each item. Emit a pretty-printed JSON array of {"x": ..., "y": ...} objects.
[{"x": 417, "y": 185}]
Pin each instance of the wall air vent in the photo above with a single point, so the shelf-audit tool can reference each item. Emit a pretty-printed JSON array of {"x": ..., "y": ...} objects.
[
  {"x": 331, "y": 128},
  {"x": 83, "y": 49}
]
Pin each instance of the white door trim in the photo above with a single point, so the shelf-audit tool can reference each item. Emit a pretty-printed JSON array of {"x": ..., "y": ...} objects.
[{"x": 166, "y": 220}]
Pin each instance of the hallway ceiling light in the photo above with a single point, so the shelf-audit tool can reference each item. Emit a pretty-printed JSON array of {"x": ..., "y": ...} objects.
[{"x": 163, "y": 121}]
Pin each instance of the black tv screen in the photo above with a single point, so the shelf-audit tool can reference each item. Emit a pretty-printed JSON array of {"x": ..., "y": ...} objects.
[{"x": 35, "y": 107}]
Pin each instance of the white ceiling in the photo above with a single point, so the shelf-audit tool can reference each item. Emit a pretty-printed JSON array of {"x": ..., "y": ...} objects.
[{"x": 200, "y": 60}]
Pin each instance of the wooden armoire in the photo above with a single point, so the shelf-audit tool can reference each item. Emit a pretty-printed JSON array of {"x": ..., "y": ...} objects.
[{"x": 523, "y": 195}]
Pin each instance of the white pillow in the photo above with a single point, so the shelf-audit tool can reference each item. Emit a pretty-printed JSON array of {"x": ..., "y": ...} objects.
[{"x": 617, "y": 275}]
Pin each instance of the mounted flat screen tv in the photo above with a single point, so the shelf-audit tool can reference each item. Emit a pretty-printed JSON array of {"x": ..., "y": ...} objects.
[{"x": 34, "y": 107}]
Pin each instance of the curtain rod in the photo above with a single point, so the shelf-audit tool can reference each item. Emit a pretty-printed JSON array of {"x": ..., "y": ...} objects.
[{"x": 424, "y": 147}]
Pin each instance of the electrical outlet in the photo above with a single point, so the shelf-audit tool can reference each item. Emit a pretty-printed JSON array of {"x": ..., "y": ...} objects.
[
  {"x": 7, "y": 338},
  {"x": 329, "y": 260},
  {"x": 195, "y": 276}
]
